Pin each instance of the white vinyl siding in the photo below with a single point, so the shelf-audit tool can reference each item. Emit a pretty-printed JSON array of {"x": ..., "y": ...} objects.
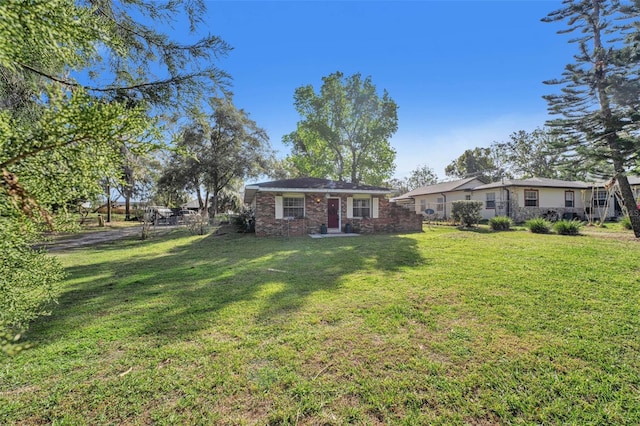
[{"x": 374, "y": 208}]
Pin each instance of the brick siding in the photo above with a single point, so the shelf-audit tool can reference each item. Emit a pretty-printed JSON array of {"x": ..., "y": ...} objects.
[{"x": 391, "y": 217}]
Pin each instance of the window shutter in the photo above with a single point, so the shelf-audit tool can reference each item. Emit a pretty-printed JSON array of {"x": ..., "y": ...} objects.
[
  {"x": 374, "y": 207},
  {"x": 349, "y": 207},
  {"x": 279, "y": 209}
]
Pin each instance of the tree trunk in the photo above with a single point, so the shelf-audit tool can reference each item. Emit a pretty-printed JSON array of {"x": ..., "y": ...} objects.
[
  {"x": 127, "y": 207},
  {"x": 611, "y": 132},
  {"x": 108, "y": 203},
  {"x": 629, "y": 202},
  {"x": 200, "y": 202},
  {"x": 214, "y": 205},
  {"x": 205, "y": 210}
]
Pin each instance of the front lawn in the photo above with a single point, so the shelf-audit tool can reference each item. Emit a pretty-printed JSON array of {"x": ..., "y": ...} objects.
[{"x": 441, "y": 327}]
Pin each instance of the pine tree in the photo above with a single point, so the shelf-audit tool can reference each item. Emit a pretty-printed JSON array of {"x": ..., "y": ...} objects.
[{"x": 599, "y": 121}]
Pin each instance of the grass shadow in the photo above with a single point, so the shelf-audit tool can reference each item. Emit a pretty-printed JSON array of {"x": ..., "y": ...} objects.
[{"x": 176, "y": 285}]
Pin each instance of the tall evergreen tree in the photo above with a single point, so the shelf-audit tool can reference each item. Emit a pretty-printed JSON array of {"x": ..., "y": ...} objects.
[{"x": 598, "y": 120}]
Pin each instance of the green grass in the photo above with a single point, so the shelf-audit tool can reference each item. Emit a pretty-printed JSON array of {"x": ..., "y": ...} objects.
[{"x": 441, "y": 327}]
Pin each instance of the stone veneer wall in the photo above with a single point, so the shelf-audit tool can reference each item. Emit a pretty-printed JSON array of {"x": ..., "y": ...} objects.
[{"x": 391, "y": 217}]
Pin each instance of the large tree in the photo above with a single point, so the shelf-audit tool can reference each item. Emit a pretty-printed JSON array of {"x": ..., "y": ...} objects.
[
  {"x": 532, "y": 154},
  {"x": 479, "y": 162},
  {"x": 217, "y": 150},
  {"x": 345, "y": 130},
  {"x": 598, "y": 103},
  {"x": 75, "y": 86}
]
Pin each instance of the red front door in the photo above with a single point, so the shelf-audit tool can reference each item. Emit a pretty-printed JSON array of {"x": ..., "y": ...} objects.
[{"x": 333, "y": 218}]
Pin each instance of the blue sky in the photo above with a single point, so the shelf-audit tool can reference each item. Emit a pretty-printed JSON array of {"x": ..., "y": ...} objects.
[{"x": 463, "y": 73}]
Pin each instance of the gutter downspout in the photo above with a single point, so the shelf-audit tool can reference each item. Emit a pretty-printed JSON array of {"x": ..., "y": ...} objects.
[{"x": 444, "y": 206}]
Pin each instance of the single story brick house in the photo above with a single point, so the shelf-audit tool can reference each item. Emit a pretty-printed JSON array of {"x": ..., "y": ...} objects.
[{"x": 295, "y": 207}]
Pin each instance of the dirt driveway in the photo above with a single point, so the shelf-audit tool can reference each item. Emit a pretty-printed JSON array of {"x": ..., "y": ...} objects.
[{"x": 95, "y": 236}]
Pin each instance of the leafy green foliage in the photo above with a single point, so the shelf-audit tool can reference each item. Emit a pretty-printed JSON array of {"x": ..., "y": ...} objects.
[
  {"x": 344, "y": 132},
  {"x": 59, "y": 138},
  {"x": 625, "y": 222},
  {"x": 568, "y": 227},
  {"x": 532, "y": 154},
  {"x": 500, "y": 223},
  {"x": 29, "y": 281},
  {"x": 478, "y": 162},
  {"x": 598, "y": 122},
  {"x": 422, "y": 175},
  {"x": 538, "y": 225},
  {"x": 217, "y": 151},
  {"x": 466, "y": 212}
]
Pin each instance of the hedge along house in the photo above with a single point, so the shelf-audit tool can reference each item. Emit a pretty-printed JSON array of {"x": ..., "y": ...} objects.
[{"x": 295, "y": 207}]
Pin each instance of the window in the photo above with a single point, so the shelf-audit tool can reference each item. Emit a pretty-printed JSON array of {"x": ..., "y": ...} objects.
[
  {"x": 600, "y": 198},
  {"x": 423, "y": 205},
  {"x": 440, "y": 205},
  {"x": 361, "y": 207},
  {"x": 293, "y": 207},
  {"x": 467, "y": 197},
  {"x": 491, "y": 201},
  {"x": 531, "y": 198},
  {"x": 569, "y": 197}
]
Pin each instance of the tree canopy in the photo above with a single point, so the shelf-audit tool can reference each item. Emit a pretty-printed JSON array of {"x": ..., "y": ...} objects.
[
  {"x": 216, "y": 151},
  {"x": 479, "y": 162},
  {"x": 344, "y": 131},
  {"x": 80, "y": 81},
  {"x": 597, "y": 105}
]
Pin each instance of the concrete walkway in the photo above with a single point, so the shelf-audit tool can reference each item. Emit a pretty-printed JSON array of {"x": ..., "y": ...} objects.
[{"x": 333, "y": 235}]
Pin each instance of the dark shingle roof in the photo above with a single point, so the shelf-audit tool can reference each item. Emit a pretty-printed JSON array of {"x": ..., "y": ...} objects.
[
  {"x": 437, "y": 188},
  {"x": 535, "y": 183},
  {"x": 307, "y": 184},
  {"x": 316, "y": 183}
]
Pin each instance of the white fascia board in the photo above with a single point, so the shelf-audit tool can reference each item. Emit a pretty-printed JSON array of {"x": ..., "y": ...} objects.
[{"x": 321, "y": 190}]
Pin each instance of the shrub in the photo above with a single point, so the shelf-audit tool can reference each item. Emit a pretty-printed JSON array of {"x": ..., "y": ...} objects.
[
  {"x": 538, "y": 225},
  {"x": 500, "y": 223},
  {"x": 29, "y": 282},
  {"x": 466, "y": 212},
  {"x": 568, "y": 227},
  {"x": 626, "y": 223}
]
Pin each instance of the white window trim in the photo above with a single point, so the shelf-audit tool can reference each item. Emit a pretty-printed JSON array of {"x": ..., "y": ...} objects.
[
  {"x": 374, "y": 206},
  {"x": 280, "y": 204}
]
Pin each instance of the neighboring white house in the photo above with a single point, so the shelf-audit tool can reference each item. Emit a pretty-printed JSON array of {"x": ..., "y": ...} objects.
[
  {"x": 436, "y": 199},
  {"x": 521, "y": 199}
]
